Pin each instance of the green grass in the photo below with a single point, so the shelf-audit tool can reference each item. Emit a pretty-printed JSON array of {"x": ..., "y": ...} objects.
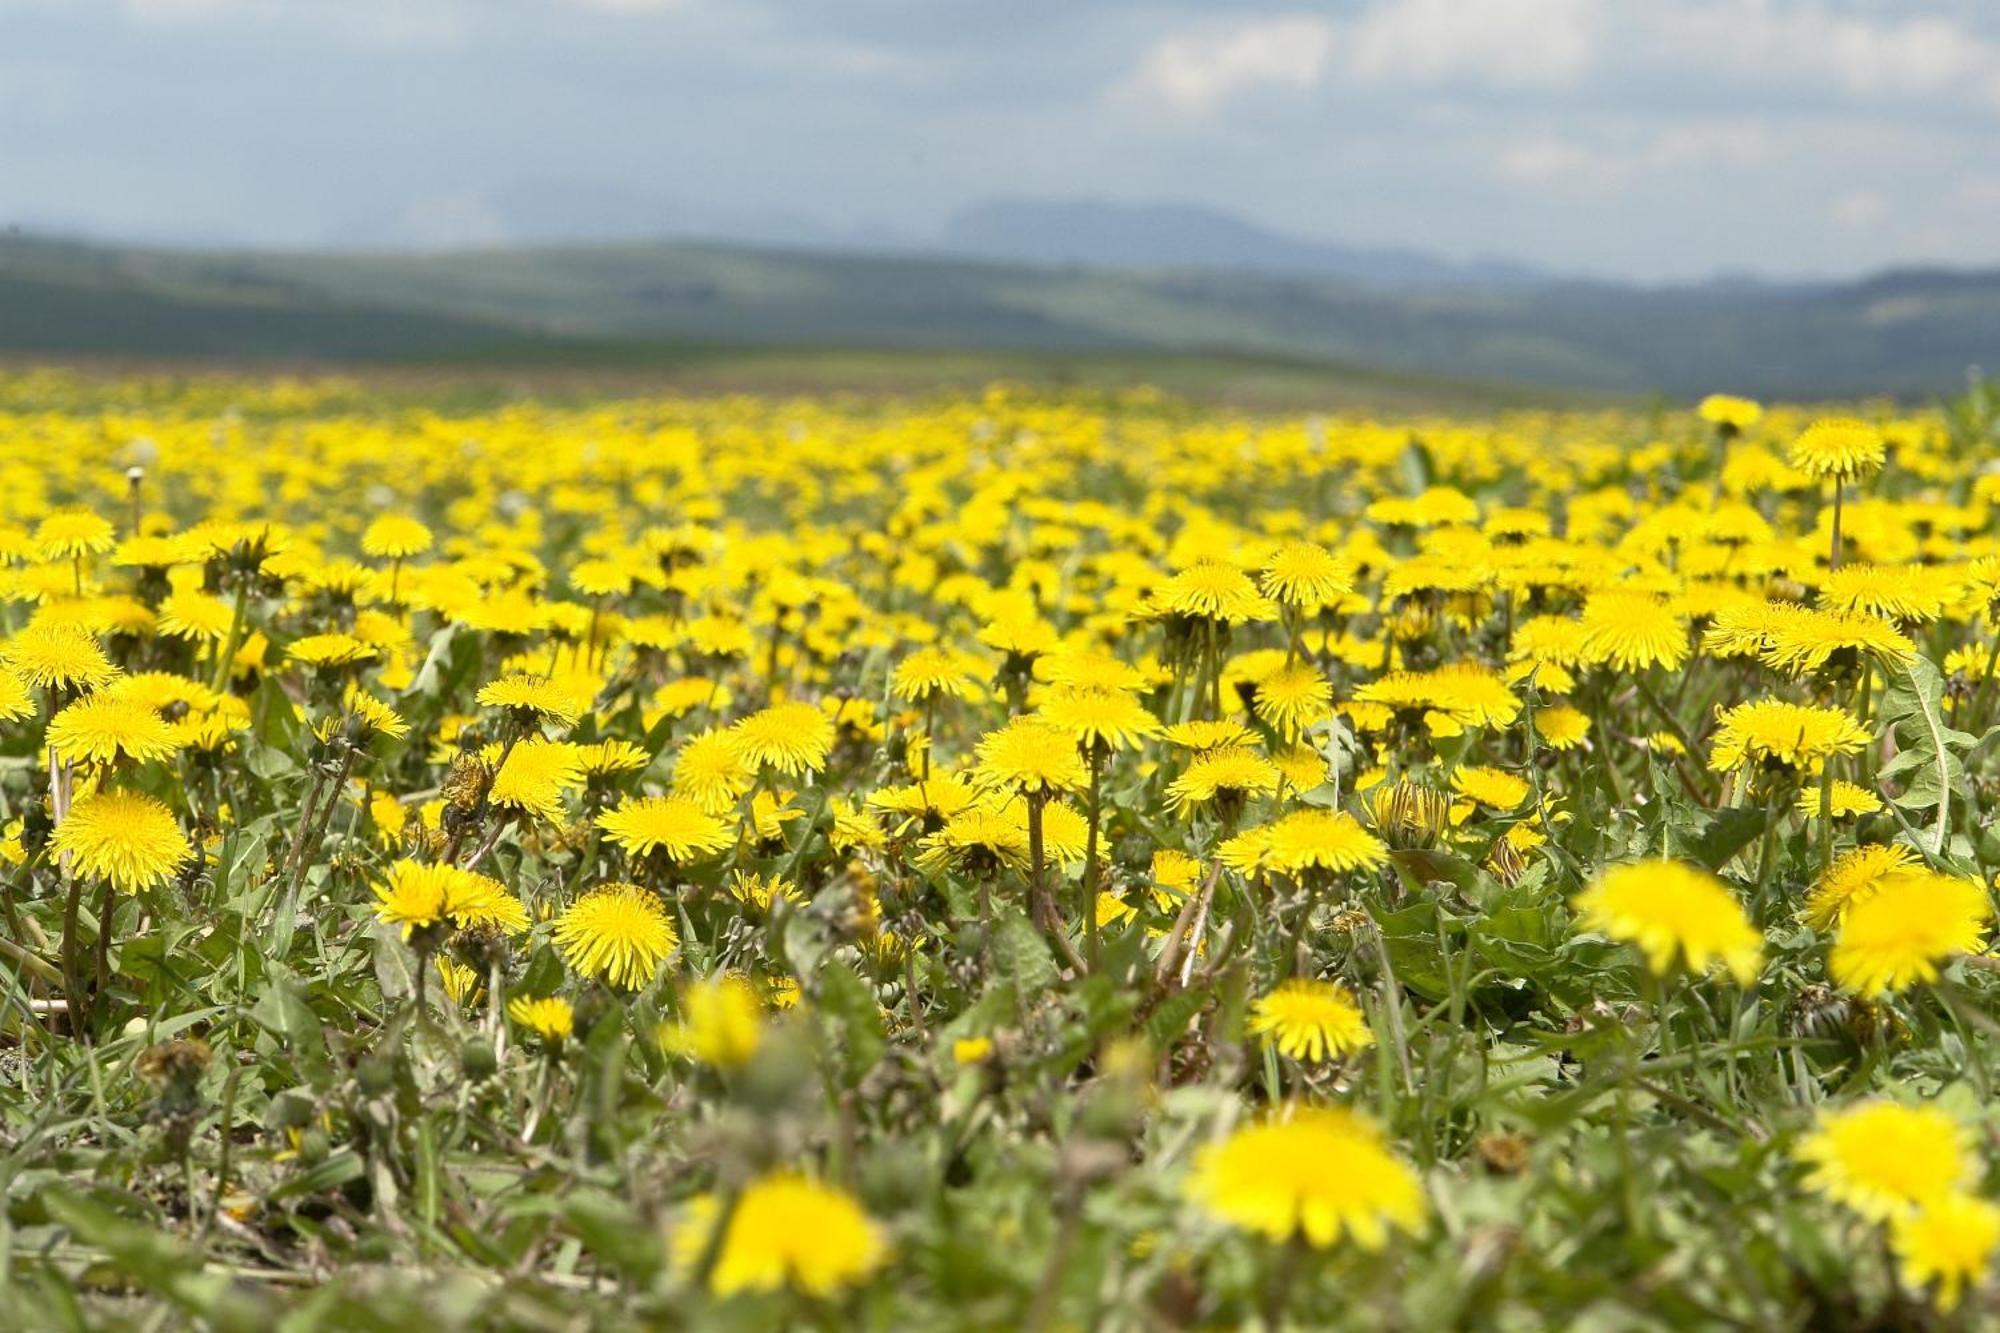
[{"x": 238, "y": 1095}]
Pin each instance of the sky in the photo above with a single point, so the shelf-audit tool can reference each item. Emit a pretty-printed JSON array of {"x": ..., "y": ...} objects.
[{"x": 1657, "y": 140}]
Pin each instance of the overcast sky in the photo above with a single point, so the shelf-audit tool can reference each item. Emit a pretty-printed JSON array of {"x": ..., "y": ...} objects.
[{"x": 1650, "y": 138}]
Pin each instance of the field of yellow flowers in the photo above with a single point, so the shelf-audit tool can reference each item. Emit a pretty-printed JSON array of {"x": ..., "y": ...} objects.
[{"x": 995, "y": 862}]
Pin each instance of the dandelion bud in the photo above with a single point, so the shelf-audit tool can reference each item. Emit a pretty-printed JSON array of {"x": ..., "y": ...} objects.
[
  {"x": 477, "y": 1059},
  {"x": 173, "y": 1069},
  {"x": 376, "y": 1074},
  {"x": 1407, "y": 816}
]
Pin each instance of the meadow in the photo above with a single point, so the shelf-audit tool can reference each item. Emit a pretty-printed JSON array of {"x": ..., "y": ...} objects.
[{"x": 1004, "y": 859}]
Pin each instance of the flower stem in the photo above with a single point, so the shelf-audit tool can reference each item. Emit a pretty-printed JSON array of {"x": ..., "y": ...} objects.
[{"x": 1091, "y": 948}]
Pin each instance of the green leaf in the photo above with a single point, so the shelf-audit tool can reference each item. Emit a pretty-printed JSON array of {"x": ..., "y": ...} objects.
[
  {"x": 1427, "y": 867},
  {"x": 282, "y": 1006},
  {"x": 1719, "y": 835},
  {"x": 613, "y": 1230},
  {"x": 1167, "y": 1022},
  {"x": 848, "y": 1001},
  {"x": 1023, "y": 953},
  {"x": 1411, "y": 936},
  {"x": 1912, "y": 714},
  {"x": 392, "y": 962},
  {"x": 157, "y": 1262}
]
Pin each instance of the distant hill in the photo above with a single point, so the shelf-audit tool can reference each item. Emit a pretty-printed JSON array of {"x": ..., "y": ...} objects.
[
  {"x": 1095, "y": 233},
  {"x": 1911, "y": 333},
  {"x": 1069, "y": 232}
]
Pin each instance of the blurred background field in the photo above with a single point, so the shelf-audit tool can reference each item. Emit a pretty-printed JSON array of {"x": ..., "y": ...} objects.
[{"x": 716, "y": 318}]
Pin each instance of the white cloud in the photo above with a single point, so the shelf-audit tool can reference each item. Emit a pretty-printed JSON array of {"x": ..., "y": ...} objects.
[
  {"x": 365, "y": 25},
  {"x": 1619, "y": 159},
  {"x": 1859, "y": 210},
  {"x": 1194, "y": 72},
  {"x": 172, "y": 10},
  {"x": 1491, "y": 43},
  {"x": 451, "y": 221},
  {"x": 629, "y": 6},
  {"x": 1543, "y": 160},
  {"x": 1486, "y": 43},
  {"x": 1796, "y": 46},
  {"x": 1805, "y": 43}
]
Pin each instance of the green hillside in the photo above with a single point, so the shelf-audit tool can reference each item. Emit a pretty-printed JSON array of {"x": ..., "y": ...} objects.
[{"x": 666, "y": 303}]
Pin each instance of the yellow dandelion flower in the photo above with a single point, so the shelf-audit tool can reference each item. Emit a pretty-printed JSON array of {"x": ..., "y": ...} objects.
[
  {"x": 481, "y": 900},
  {"x": 1630, "y": 631},
  {"x": 1673, "y": 912},
  {"x": 534, "y": 777},
  {"x": 1084, "y": 669},
  {"x": 389, "y": 816},
  {"x": 1729, "y": 412},
  {"x": 721, "y": 1023},
  {"x": 936, "y": 673},
  {"x": 1317, "y": 1173},
  {"x": 1306, "y": 575},
  {"x": 1912, "y": 596},
  {"x": 1311, "y": 1020},
  {"x": 395, "y": 537},
  {"x": 930, "y": 802},
  {"x": 1174, "y": 874},
  {"x": 1854, "y": 874},
  {"x": 1803, "y": 639},
  {"x": 1322, "y": 840},
  {"x": 1775, "y": 734},
  {"x": 600, "y": 578},
  {"x": 612, "y": 757},
  {"x": 1031, "y": 756},
  {"x": 1491, "y": 787},
  {"x": 1899, "y": 933},
  {"x": 71, "y": 534},
  {"x": 769, "y": 813},
  {"x": 1232, "y": 773},
  {"x": 190, "y": 613},
  {"x": 1203, "y": 734},
  {"x": 102, "y": 728},
  {"x": 417, "y": 895},
  {"x": 791, "y": 738},
  {"x": 1838, "y": 447},
  {"x": 1247, "y": 853},
  {"x": 1292, "y": 698},
  {"x": 1212, "y": 591},
  {"x": 1561, "y": 727},
  {"x": 461, "y": 983},
  {"x": 1303, "y": 767},
  {"x": 760, "y": 891},
  {"x": 1113, "y": 910},
  {"x": 124, "y": 837},
  {"x": 534, "y": 698},
  {"x": 786, "y": 1230},
  {"x": 53, "y": 656},
  {"x": 329, "y": 650},
  {"x": 1064, "y": 830},
  {"x": 370, "y": 715},
  {"x": 671, "y": 824},
  {"x": 618, "y": 932},
  {"x": 1112, "y": 719},
  {"x": 1949, "y": 1240},
  {"x": 549, "y": 1017},
  {"x": 17, "y": 702},
  {"x": 709, "y": 770},
  {"x": 1884, "y": 1158},
  {"x": 978, "y": 833}
]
